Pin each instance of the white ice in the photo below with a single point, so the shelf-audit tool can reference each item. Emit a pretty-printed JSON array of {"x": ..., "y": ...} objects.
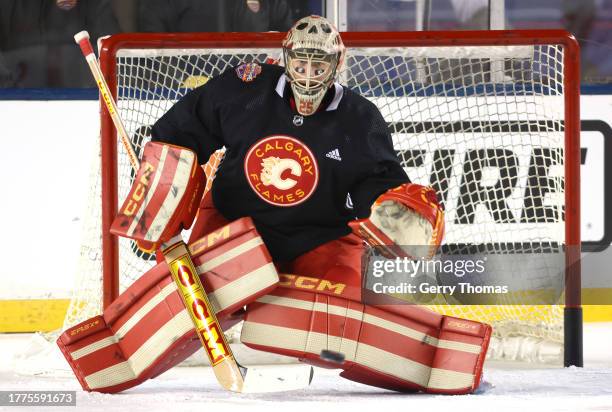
[{"x": 506, "y": 387}]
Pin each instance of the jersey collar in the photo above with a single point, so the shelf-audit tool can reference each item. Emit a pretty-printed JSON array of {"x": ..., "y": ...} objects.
[{"x": 333, "y": 105}]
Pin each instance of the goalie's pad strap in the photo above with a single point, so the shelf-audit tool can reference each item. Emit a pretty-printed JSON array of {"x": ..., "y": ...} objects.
[
  {"x": 147, "y": 330},
  {"x": 403, "y": 348}
]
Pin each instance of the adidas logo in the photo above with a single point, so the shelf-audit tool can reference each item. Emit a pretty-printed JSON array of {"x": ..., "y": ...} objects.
[{"x": 334, "y": 154}]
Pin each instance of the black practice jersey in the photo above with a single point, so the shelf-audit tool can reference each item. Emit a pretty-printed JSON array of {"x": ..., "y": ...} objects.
[{"x": 301, "y": 179}]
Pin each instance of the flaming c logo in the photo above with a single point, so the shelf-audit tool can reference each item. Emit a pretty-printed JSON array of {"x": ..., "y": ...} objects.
[{"x": 281, "y": 170}]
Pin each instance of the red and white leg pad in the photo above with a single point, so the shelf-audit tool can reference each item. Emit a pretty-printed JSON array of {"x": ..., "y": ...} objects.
[
  {"x": 397, "y": 347},
  {"x": 147, "y": 329}
]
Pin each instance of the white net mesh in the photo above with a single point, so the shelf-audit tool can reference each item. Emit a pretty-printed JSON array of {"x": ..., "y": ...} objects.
[{"x": 482, "y": 125}]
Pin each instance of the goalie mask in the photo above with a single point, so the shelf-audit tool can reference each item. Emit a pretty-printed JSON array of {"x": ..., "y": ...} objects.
[{"x": 313, "y": 52}]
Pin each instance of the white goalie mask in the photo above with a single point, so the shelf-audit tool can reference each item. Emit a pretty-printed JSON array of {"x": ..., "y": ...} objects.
[{"x": 314, "y": 53}]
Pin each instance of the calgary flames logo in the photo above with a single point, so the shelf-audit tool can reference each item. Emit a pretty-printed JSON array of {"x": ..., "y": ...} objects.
[
  {"x": 281, "y": 170},
  {"x": 273, "y": 168}
]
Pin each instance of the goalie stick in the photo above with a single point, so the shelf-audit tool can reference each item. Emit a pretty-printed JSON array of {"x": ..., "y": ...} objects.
[{"x": 229, "y": 373}]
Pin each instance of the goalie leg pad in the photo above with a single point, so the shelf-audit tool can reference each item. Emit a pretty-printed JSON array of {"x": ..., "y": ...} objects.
[
  {"x": 333, "y": 267},
  {"x": 147, "y": 329},
  {"x": 402, "y": 348}
]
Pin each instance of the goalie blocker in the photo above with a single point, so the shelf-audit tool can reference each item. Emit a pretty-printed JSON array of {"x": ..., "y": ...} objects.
[{"x": 163, "y": 199}]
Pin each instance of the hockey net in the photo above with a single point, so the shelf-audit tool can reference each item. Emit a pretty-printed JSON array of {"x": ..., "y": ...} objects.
[{"x": 470, "y": 115}]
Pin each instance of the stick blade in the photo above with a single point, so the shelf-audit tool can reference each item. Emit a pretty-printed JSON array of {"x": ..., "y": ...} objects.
[{"x": 277, "y": 378}]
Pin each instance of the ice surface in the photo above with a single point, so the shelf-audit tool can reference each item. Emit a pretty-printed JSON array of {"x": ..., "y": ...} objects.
[
  {"x": 506, "y": 387},
  {"x": 188, "y": 389}
]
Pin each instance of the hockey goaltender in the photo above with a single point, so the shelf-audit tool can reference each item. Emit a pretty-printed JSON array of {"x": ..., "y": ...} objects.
[{"x": 309, "y": 173}]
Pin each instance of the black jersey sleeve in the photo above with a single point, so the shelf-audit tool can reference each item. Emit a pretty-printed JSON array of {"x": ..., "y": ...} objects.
[
  {"x": 384, "y": 170},
  {"x": 193, "y": 122}
]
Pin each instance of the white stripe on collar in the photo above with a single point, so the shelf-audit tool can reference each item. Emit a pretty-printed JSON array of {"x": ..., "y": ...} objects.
[
  {"x": 338, "y": 92},
  {"x": 280, "y": 86}
]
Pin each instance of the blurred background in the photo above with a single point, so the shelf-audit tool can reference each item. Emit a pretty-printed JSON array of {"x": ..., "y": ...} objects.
[{"x": 37, "y": 48}]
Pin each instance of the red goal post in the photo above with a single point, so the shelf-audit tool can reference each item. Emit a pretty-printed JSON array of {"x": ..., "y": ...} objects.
[{"x": 566, "y": 82}]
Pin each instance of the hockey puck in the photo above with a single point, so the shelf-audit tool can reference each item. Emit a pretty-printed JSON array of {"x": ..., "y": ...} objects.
[{"x": 332, "y": 356}]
